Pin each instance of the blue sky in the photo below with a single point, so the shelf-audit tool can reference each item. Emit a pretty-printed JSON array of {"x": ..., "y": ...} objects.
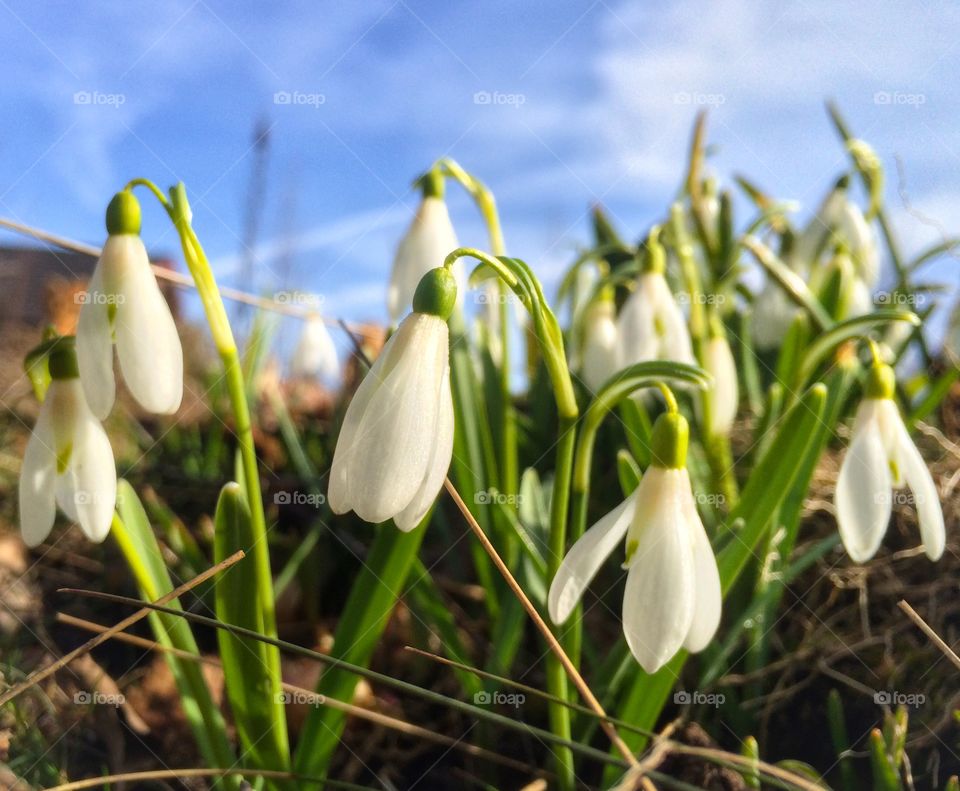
[{"x": 594, "y": 103}]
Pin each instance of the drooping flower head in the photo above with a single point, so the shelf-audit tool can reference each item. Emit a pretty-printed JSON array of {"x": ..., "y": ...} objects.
[
  {"x": 725, "y": 395},
  {"x": 396, "y": 440},
  {"x": 651, "y": 325},
  {"x": 883, "y": 459},
  {"x": 425, "y": 245},
  {"x": 68, "y": 461},
  {"x": 672, "y": 598},
  {"x": 315, "y": 354},
  {"x": 124, "y": 306},
  {"x": 598, "y": 353}
]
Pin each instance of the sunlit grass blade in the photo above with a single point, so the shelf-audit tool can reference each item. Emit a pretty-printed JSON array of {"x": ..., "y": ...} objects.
[
  {"x": 134, "y": 535},
  {"x": 258, "y": 708},
  {"x": 371, "y": 602}
]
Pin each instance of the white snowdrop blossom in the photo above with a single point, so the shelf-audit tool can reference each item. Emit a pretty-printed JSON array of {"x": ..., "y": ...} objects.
[
  {"x": 124, "y": 306},
  {"x": 315, "y": 354},
  {"x": 598, "y": 354},
  {"x": 68, "y": 461},
  {"x": 651, "y": 325},
  {"x": 396, "y": 440},
  {"x": 719, "y": 363},
  {"x": 883, "y": 459},
  {"x": 672, "y": 598},
  {"x": 428, "y": 240}
]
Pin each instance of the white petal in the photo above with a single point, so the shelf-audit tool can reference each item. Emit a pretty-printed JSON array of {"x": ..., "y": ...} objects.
[
  {"x": 388, "y": 446},
  {"x": 670, "y": 325},
  {"x": 148, "y": 344},
  {"x": 37, "y": 506},
  {"x": 599, "y": 355},
  {"x": 585, "y": 558},
  {"x": 635, "y": 327},
  {"x": 720, "y": 364},
  {"x": 417, "y": 508},
  {"x": 863, "y": 493},
  {"x": 425, "y": 245},
  {"x": 95, "y": 473},
  {"x": 773, "y": 313},
  {"x": 709, "y": 600},
  {"x": 925, "y": 494},
  {"x": 95, "y": 342},
  {"x": 315, "y": 354},
  {"x": 659, "y": 600}
]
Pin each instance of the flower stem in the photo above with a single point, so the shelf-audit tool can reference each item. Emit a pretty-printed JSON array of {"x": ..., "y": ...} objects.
[
  {"x": 178, "y": 208},
  {"x": 487, "y": 204}
]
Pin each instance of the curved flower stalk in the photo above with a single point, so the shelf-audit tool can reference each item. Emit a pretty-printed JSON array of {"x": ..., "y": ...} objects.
[
  {"x": 672, "y": 598},
  {"x": 68, "y": 460},
  {"x": 124, "y": 306},
  {"x": 599, "y": 348},
  {"x": 651, "y": 325},
  {"x": 881, "y": 459},
  {"x": 315, "y": 354},
  {"x": 424, "y": 246},
  {"x": 396, "y": 441}
]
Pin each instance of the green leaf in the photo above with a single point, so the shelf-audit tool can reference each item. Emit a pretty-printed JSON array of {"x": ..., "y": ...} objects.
[
  {"x": 372, "y": 598},
  {"x": 256, "y": 705},
  {"x": 133, "y": 534}
]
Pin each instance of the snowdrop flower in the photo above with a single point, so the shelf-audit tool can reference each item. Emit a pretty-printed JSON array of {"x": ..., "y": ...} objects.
[
  {"x": 773, "y": 313},
  {"x": 672, "y": 598},
  {"x": 719, "y": 363},
  {"x": 881, "y": 458},
  {"x": 425, "y": 245},
  {"x": 68, "y": 461},
  {"x": 396, "y": 440},
  {"x": 598, "y": 355},
  {"x": 315, "y": 354},
  {"x": 651, "y": 325},
  {"x": 124, "y": 305}
]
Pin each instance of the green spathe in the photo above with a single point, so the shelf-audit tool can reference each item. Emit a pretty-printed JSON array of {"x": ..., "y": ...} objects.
[
  {"x": 669, "y": 440},
  {"x": 123, "y": 214},
  {"x": 881, "y": 381},
  {"x": 63, "y": 359},
  {"x": 436, "y": 293}
]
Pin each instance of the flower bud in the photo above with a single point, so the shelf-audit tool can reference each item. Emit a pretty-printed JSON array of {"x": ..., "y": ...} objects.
[
  {"x": 669, "y": 440},
  {"x": 436, "y": 293},
  {"x": 123, "y": 214}
]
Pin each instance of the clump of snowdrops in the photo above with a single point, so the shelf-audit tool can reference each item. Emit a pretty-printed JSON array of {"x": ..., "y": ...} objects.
[{"x": 650, "y": 359}]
